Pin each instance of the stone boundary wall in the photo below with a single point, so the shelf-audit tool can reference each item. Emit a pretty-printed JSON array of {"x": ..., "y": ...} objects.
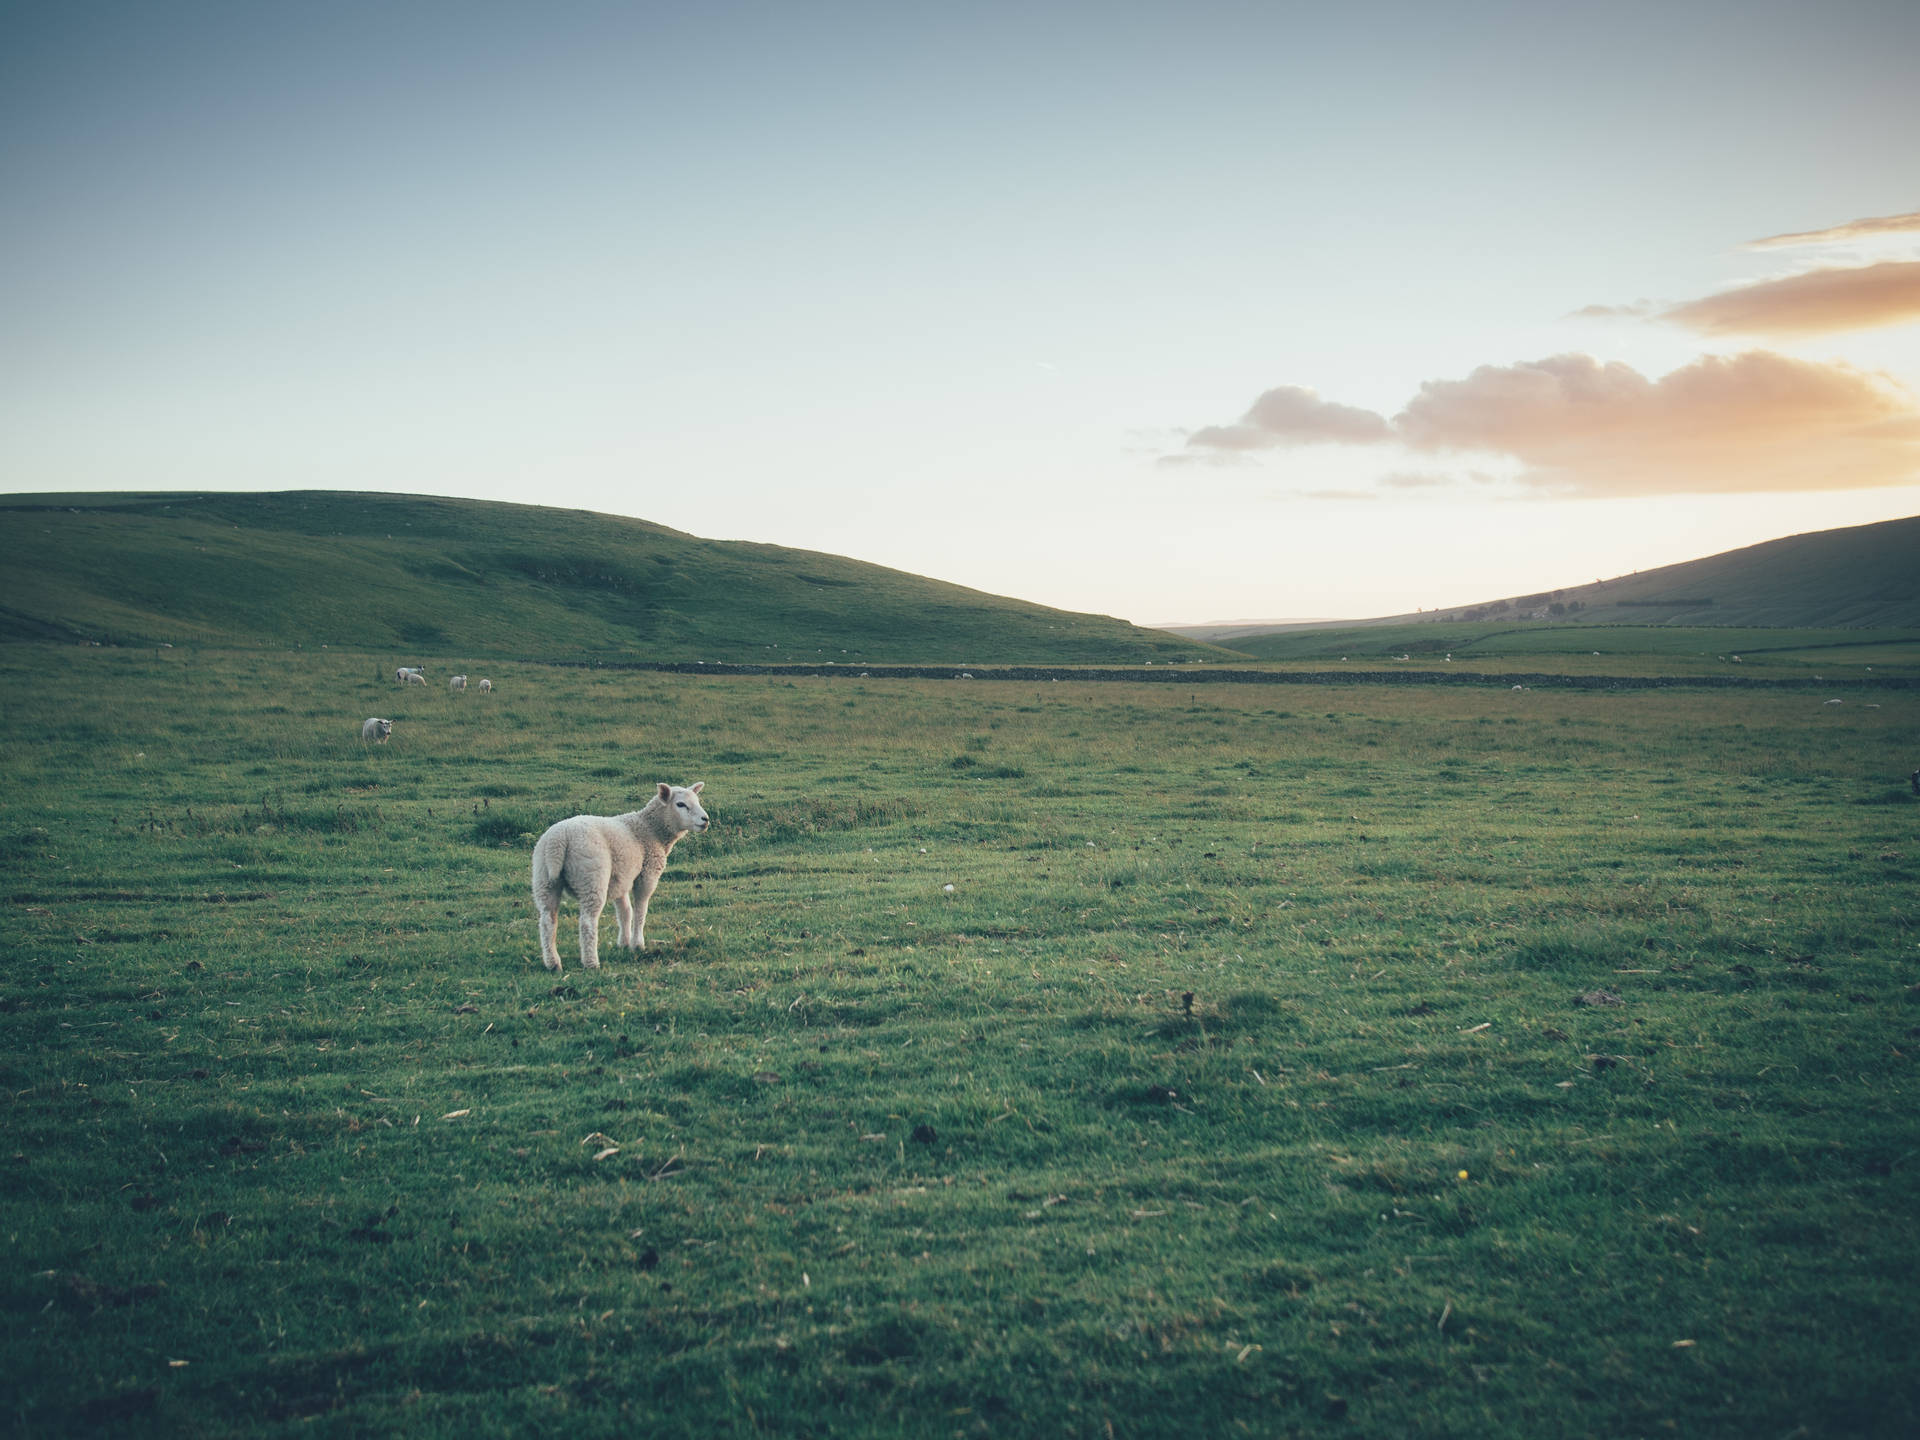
[{"x": 1196, "y": 675}]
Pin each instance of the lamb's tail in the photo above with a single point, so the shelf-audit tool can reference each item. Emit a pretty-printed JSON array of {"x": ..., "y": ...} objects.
[{"x": 549, "y": 861}]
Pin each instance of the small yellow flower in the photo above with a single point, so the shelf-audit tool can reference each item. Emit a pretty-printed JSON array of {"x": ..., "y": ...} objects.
[{"x": 1463, "y": 1174}]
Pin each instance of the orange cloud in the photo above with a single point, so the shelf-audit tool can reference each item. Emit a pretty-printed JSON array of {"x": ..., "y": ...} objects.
[
  {"x": 1812, "y": 303},
  {"x": 1839, "y": 234},
  {"x": 1721, "y": 425}
]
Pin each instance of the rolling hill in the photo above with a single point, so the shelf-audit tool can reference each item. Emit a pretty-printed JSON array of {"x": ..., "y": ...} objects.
[
  {"x": 419, "y": 575},
  {"x": 1863, "y": 577}
]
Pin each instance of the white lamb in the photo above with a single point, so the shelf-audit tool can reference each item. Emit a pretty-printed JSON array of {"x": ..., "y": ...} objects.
[
  {"x": 409, "y": 674},
  {"x": 486, "y": 686},
  {"x": 376, "y": 729},
  {"x": 459, "y": 682},
  {"x": 602, "y": 857}
]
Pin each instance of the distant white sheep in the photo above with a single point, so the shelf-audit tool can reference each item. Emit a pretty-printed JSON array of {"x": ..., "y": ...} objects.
[
  {"x": 376, "y": 729},
  {"x": 600, "y": 857},
  {"x": 459, "y": 682},
  {"x": 486, "y": 686},
  {"x": 410, "y": 675}
]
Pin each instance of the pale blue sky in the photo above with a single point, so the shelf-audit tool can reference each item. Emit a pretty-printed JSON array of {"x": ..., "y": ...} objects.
[{"x": 948, "y": 290}]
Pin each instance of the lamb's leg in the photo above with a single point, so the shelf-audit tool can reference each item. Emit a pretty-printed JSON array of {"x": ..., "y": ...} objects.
[
  {"x": 642, "y": 893},
  {"x": 549, "y": 927},
  {"x": 590, "y": 908},
  {"x": 623, "y": 907}
]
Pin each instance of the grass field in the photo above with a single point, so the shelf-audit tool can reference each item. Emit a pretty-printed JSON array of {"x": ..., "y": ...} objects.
[{"x": 1282, "y": 1060}]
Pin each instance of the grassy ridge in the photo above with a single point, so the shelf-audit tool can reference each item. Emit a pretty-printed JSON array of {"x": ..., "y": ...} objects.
[
  {"x": 1383, "y": 1061},
  {"x": 412, "y": 574}
]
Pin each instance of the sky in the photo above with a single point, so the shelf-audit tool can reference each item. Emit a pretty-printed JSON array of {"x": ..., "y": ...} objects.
[{"x": 1180, "y": 312}]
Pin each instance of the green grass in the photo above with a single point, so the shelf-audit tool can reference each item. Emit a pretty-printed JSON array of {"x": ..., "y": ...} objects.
[
  {"x": 417, "y": 577},
  {"x": 1361, "y": 1060}
]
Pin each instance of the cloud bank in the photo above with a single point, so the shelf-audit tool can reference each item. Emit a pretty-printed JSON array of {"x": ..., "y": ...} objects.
[
  {"x": 1815, "y": 302},
  {"x": 1749, "y": 423}
]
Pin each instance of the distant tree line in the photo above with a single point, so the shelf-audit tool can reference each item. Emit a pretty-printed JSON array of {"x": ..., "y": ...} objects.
[{"x": 1550, "y": 606}]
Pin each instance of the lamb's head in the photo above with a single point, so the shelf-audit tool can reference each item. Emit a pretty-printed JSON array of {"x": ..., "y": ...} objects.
[
  {"x": 383, "y": 728},
  {"x": 682, "y": 805}
]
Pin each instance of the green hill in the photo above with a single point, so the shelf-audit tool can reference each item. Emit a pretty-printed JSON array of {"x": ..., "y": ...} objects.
[
  {"x": 417, "y": 575},
  {"x": 1864, "y": 577},
  {"x": 1861, "y": 577},
  {"x": 1849, "y": 596}
]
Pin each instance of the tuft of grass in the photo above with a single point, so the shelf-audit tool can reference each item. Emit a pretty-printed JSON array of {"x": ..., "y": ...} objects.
[
  {"x": 1577, "y": 948},
  {"x": 503, "y": 826}
]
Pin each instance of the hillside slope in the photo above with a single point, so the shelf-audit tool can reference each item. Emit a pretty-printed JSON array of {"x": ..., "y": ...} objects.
[
  {"x": 1859, "y": 577},
  {"x": 422, "y": 575}
]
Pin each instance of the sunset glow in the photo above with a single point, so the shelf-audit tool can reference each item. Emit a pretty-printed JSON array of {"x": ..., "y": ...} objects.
[{"x": 1176, "y": 313}]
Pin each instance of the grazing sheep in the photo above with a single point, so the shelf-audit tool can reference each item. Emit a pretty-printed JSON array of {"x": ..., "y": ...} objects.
[
  {"x": 459, "y": 682},
  {"x": 376, "y": 729},
  {"x": 486, "y": 686},
  {"x": 602, "y": 857},
  {"x": 408, "y": 674}
]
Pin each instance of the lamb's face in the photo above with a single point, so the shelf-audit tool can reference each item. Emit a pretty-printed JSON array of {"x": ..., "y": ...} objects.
[
  {"x": 683, "y": 807},
  {"x": 385, "y": 728}
]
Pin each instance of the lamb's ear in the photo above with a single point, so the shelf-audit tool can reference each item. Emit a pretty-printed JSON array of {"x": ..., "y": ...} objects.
[
  {"x": 697, "y": 786},
  {"x": 666, "y": 791}
]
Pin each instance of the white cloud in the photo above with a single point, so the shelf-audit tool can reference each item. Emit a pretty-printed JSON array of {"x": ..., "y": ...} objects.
[{"x": 1292, "y": 415}]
